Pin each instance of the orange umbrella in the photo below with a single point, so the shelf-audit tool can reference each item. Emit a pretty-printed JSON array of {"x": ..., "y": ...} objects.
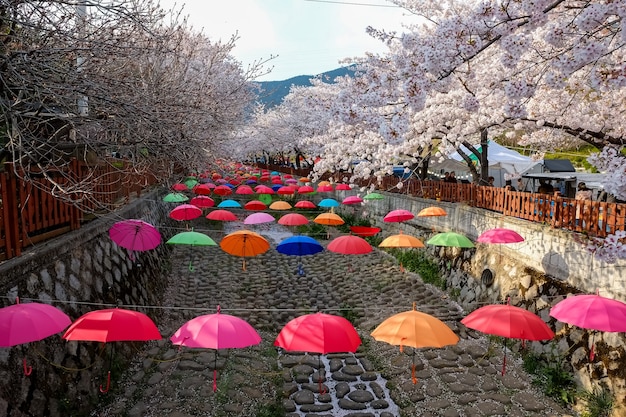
[
  {"x": 329, "y": 219},
  {"x": 245, "y": 244},
  {"x": 280, "y": 205},
  {"x": 401, "y": 241},
  {"x": 416, "y": 329},
  {"x": 432, "y": 212}
]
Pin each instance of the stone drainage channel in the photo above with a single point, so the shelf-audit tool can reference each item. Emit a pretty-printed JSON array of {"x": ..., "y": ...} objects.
[{"x": 348, "y": 385}]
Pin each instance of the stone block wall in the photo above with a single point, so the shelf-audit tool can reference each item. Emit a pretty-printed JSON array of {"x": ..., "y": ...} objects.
[{"x": 78, "y": 272}]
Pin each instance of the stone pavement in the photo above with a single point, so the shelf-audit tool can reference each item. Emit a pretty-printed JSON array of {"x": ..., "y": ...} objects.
[{"x": 460, "y": 380}]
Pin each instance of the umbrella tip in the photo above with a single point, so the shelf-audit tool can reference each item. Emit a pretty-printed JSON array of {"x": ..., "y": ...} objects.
[
  {"x": 219, "y": 309},
  {"x": 414, "y": 305}
]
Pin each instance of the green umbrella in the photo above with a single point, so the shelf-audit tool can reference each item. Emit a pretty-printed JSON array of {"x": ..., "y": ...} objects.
[
  {"x": 373, "y": 196},
  {"x": 175, "y": 198},
  {"x": 190, "y": 182},
  {"x": 192, "y": 239},
  {"x": 450, "y": 239}
]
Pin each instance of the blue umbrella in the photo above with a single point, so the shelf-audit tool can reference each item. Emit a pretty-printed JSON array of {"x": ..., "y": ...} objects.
[
  {"x": 229, "y": 204},
  {"x": 299, "y": 246},
  {"x": 328, "y": 202},
  {"x": 276, "y": 187}
]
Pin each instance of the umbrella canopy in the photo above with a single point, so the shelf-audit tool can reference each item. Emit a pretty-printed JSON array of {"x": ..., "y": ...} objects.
[
  {"x": 222, "y": 215},
  {"x": 175, "y": 198},
  {"x": 179, "y": 186},
  {"x": 401, "y": 241},
  {"x": 255, "y": 205},
  {"x": 305, "y": 189},
  {"x": 349, "y": 245},
  {"x": 319, "y": 333},
  {"x": 113, "y": 325},
  {"x": 30, "y": 322},
  {"x": 500, "y": 235},
  {"x": 353, "y": 199},
  {"x": 432, "y": 212},
  {"x": 397, "y": 216},
  {"x": 373, "y": 196},
  {"x": 244, "y": 243},
  {"x": 202, "y": 201},
  {"x": 202, "y": 189},
  {"x": 285, "y": 190},
  {"x": 329, "y": 219},
  {"x": 229, "y": 204},
  {"x": 191, "y": 238},
  {"x": 135, "y": 235},
  {"x": 244, "y": 190},
  {"x": 324, "y": 188},
  {"x": 343, "y": 187},
  {"x": 185, "y": 212},
  {"x": 264, "y": 189},
  {"x": 259, "y": 218},
  {"x": 365, "y": 231},
  {"x": 450, "y": 239},
  {"x": 305, "y": 204},
  {"x": 299, "y": 246},
  {"x": 280, "y": 205},
  {"x": 328, "y": 202},
  {"x": 293, "y": 219},
  {"x": 222, "y": 190},
  {"x": 592, "y": 312}
]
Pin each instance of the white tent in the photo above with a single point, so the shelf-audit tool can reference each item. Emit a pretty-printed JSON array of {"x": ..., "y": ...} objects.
[{"x": 502, "y": 161}]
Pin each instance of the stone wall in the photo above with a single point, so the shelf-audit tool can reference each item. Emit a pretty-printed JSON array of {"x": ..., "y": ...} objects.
[
  {"x": 534, "y": 274},
  {"x": 78, "y": 272}
]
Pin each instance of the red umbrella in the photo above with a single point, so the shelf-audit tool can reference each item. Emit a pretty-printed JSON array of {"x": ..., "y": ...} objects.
[
  {"x": 592, "y": 312},
  {"x": 264, "y": 189},
  {"x": 285, "y": 190},
  {"x": 305, "y": 189},
  {"x": 222, "y": 190},
  {"x": 293, "y": 219},
  {"x": 365, "y": 231},
  {"x": 202, "y": 201},
  {"x": 319, "y": 333},
  {"x": 305, "y": 204},
  {"x": 343, "y": 187},
  {"x": 396, "y": 216},
  {"x": 222, "y": 216},
  {"x": 179, "y": 186},
  {"x": 112, "y": 325},
  {"x": 349, "y": 245},
  {"x": 216, "y": 331},
  {"x": 185, "y": 212},
  {"x": 202, "y": 189},
  {"x": 255, "y": 205},
  {"x": 324, "y": 188},
  {"x": 353, "y": 199},
  {"x": 510, "y": 322},
  {"x": 244, "y": 190}
]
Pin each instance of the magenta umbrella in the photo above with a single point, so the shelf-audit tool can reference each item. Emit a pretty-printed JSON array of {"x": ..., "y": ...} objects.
[
  {"x": 396, "y": 216},
  {"x": 135, "y": 235},
  {"x": 216, "y": 331},
  {"x": 592, "y": 312},
  {"x": 30, "y": 322},
  {"x": 500, "y": 235},
  {"x": 353, "y": 199}
]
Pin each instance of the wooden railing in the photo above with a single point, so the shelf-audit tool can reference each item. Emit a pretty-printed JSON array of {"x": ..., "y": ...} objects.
[
  {"x": 30, "y": 212},
  {"x": 594, "y": 218}
]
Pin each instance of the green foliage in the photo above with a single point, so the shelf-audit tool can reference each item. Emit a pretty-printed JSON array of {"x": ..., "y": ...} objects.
[
  {"x": 599, "y": 402},
  {"x": 311, "y": 229},
  {"x": 271, "y": 410},
  {"x": 419, "y": 262},
  {"x": 550, "y": 375}
]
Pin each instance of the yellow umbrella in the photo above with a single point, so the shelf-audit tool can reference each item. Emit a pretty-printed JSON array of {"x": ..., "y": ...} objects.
[
  {"x": 416, "y": 329},
  {"x": 245, "y": 244},
  {"x": 280, "y": 205}
]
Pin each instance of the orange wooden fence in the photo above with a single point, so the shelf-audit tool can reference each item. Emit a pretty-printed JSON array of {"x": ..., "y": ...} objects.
[
  {"x": 594, "y": 218},
  {"x": 31, "y": 213}
]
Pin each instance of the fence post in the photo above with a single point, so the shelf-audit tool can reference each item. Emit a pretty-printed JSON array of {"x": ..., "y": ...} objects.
[{"x": 12, "y": 211}]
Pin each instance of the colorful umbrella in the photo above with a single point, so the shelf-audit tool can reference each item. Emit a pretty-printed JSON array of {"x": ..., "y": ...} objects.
[
  {"x": 229, "y": 204},
  {"x": 329, "y": 219},
  {"x": 349, "y": 245},
  {"x": 135, "y": 235},
  {"x": 305, "y": 204},
  {"x": 179, "y": 186},
  {"x": 416, "y": 329},
  {"x": 401, "y": 241},
  {"x": 324, "y": 188},
  {"x": 305, "y": 189},
  {"x": 373, "y": 196},
  {"x": 510, "y": 322},
  {"x": 255, "y": 205},
  {"x": 192, "y": 239},
  {"x": 397, "y": 216},
  {"x": 222, "y": 216},
  {"x": 432, "y": 212},
  {"x": 280, "y": 205},
  {"x": 328, "y": 203},
  {"x": 244, "y": 190},
  {"x": 216, "y": 331},
  {"x": 365, "y": 231},
  {"x": 30, "y": 322},
  {"x": 259, "y": 218},
  {"x": 500, "y": 235},
  {"x": 319, "y": 333},
  {"x": 175, "y": 198},
  {"x": 285, "y": 190},
  {"x": 353, "y": 199},
  {"x": 244, "y": 243},
  {"x": 343, "y": 187},
  {"x": 450, "y": 239},
  {"x": 112, "y": 325},
  {"x": 592, "y": 312},
  {"x": 299, "y": 246},
  {"x": 202, "y": 201},
  {"x": 264, "y": 189},
  {"x": 222, "y": 190},
  {"x": 293, "y": 219},
  {"x": 185, "y": 212},
  {"x": 202, "y": 189}
]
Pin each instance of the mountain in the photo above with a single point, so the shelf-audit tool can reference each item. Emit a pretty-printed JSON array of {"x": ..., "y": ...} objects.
[{"x": 271, "y": 93}]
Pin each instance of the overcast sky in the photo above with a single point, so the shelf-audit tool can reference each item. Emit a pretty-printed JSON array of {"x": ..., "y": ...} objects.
[{"x": 309, "y": 36}]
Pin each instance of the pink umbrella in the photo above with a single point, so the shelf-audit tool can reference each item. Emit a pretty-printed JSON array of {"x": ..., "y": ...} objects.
[
  {"x": 500, "y": 235},
  {"x": 396, "y": 216},
  {"x": 259, "y": 218},
  {"x": 185, "y": 212},
  {"x": 263, "y": 189},
  {"x": 353, "y": 199},
  {"x": 592, "y": 312},
  {"x": 216, "y": 331},
  {"x": 135, "y": 235},
  {"x": 244, "y": 190},
  {"x": 30, "y": 322}
]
